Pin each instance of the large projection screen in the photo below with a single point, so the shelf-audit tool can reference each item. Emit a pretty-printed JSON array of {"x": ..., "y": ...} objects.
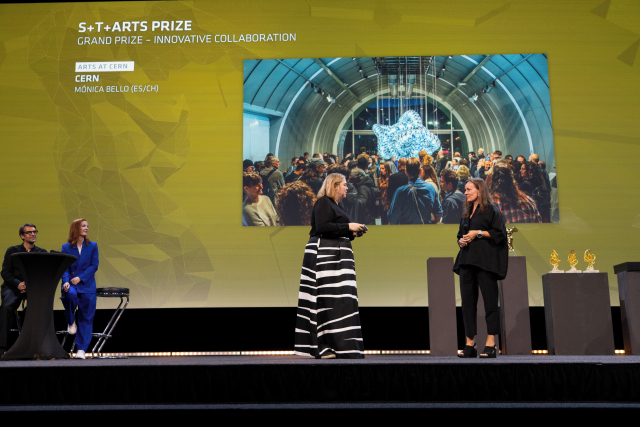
[{"x": 132, "y": 115}]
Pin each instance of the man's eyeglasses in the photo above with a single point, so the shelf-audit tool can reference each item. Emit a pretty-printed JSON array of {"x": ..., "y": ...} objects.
[{"x": 31, "y": 232}]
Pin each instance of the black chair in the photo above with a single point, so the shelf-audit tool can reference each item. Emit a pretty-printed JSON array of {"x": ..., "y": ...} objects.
[{"x": 121, "y": 293}]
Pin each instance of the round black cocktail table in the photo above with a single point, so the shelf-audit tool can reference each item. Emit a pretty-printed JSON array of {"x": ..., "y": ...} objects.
[{"x": 42, "y": 272}]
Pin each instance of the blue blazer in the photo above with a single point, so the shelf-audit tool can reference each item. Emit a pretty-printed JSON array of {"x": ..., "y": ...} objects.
[{"x": 85, "y": 267}]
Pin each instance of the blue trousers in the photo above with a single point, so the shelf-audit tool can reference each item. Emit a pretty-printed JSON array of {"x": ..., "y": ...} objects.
[{"x": 86, "y": 304}]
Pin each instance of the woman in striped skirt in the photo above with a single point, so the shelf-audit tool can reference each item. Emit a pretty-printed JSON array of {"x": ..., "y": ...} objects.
[{"x": 328, "y": 322}]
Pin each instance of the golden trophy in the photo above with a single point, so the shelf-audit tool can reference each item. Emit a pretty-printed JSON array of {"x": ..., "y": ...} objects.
[
  {"x": 510, "y": 231},
  {"x": 573, "y": 260},
  {"x": 555, "y": 260},
  {"x": 591, "y": 259}
]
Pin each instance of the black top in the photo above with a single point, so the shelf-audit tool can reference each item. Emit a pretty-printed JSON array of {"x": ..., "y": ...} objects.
[
  {"x": 452, "y": 206},
  {"x": 329, "y": 220},
  {"x": 396, "y": 181},
  {"x": 441, "y": 163},
  {"x": 292, "y": 177},
  {"x": 487, "y": 254},
  {"x": 10, "y": 271},
  {"x": 527, "y": 187}
]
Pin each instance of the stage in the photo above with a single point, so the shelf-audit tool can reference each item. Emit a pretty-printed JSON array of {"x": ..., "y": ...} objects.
[{"x": 272, "y": 384}]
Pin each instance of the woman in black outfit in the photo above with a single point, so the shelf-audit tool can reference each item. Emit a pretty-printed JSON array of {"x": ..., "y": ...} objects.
[
  {"x": 481, "y": 262},
  {"x": 328, "y": 321}
]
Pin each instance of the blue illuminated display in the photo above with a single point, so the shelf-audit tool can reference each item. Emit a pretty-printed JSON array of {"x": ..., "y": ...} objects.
[{"x": 406, "y": 138}]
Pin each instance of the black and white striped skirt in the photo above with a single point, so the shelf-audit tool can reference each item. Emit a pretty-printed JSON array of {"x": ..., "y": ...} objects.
[{"x": 328, "y": 319}]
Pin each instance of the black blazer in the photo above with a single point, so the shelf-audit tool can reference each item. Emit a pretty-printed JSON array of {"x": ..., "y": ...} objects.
[
  {"x": 328, "y": 220},
  {"x": 10, "y": 272},
  {"x": 487, "y": 254}
]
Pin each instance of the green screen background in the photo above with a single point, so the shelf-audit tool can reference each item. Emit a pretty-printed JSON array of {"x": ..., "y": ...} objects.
[{"x": 157, "y": 175}]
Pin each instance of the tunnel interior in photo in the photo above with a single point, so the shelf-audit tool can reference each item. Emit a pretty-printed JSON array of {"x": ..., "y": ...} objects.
[
  {"x": 330, "y": 105},
  {"x": 497, "y": 102}
]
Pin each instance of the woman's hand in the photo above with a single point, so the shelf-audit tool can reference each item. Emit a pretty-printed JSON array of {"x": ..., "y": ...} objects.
[
  {"x": 75, "y": 280},
  {"x": 65, "y": 287},
  {"x": 354, "y": 226},
  {"x": 470, "y": 236},
  {"x": 462, "y": 243}
]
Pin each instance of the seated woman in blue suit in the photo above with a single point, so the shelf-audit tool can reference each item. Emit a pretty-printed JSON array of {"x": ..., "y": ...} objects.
[{"x": 79, "y": 284}]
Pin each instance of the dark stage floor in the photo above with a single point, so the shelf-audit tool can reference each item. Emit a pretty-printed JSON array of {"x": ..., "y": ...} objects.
[
  {"x": 384, "y": 379},
  {"x": 380, "y": 387},
  {"x": 205, "y": 361}
]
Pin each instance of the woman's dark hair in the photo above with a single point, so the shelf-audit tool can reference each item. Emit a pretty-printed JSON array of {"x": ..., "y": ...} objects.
[
  {"x": 295, "y": 204},
  {"x": 515, "y": 169},
  {"x": 74, "y": 231},
  {"x": 388, "y": 169},
  {"x": 535, "y": 175},
  {"x": 504, "y": 185},
  {"x": 483, "y": 197}
]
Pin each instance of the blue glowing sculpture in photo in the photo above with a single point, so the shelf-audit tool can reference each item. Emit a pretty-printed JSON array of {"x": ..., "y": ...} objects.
[{"x": 406, "y": 138}]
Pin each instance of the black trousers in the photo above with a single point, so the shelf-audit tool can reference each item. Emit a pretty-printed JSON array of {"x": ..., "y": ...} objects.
[
  {"x": 472, "y": 278},
  {"x": 11, "y": 299}
]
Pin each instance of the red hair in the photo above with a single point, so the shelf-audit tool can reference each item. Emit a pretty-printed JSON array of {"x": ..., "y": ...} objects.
[{"x": 74, "y": 231}]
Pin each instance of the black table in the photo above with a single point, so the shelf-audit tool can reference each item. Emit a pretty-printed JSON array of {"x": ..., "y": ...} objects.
[
  {"x": 42, "y": 272},
  {"x": 515, "y": 326},
  {"x": 629, "y": 290},
  {"x": 443, "y": 338},
  {"x": 577, "y": 313}
]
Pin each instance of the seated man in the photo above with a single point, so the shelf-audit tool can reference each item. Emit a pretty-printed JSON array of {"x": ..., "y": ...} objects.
[
  {"x": 14, "y": 289},
  {"x": 415, "y": 202}
]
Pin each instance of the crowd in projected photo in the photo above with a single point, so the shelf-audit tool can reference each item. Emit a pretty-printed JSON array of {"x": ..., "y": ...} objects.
[
  {"x": 427, "y": 189},
  {"x": 407, "y": 133}
]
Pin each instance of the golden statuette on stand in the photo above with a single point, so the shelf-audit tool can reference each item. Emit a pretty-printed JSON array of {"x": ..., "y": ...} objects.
[
  {"x": 591, "y": 259},
  {"x": 573, "y": 261},
  {"x": 510, "y": 232},
  {"x": 555, "y": 260}
]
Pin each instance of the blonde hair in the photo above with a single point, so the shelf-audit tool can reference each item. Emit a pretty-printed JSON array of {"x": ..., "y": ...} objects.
[
  {"x": 330, "y": 185},
  {"x": 463, "y": 172},
  {"x": 425, "y": 159}
]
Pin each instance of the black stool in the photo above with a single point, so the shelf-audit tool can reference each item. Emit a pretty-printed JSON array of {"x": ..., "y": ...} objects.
[
  {"x": 66, "y": 334},
  {"x": 121, "y": 293},
  {"x": 18, "y": 322}
]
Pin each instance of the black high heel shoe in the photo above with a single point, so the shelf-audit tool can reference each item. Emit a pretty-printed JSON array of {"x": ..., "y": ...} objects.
[
  {"x": 488, "y": 353},
  {"x": 468, "y": 352}
]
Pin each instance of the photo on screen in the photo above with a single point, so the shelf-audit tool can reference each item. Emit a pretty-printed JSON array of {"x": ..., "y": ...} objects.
[{"x": 406, "y": 132}]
